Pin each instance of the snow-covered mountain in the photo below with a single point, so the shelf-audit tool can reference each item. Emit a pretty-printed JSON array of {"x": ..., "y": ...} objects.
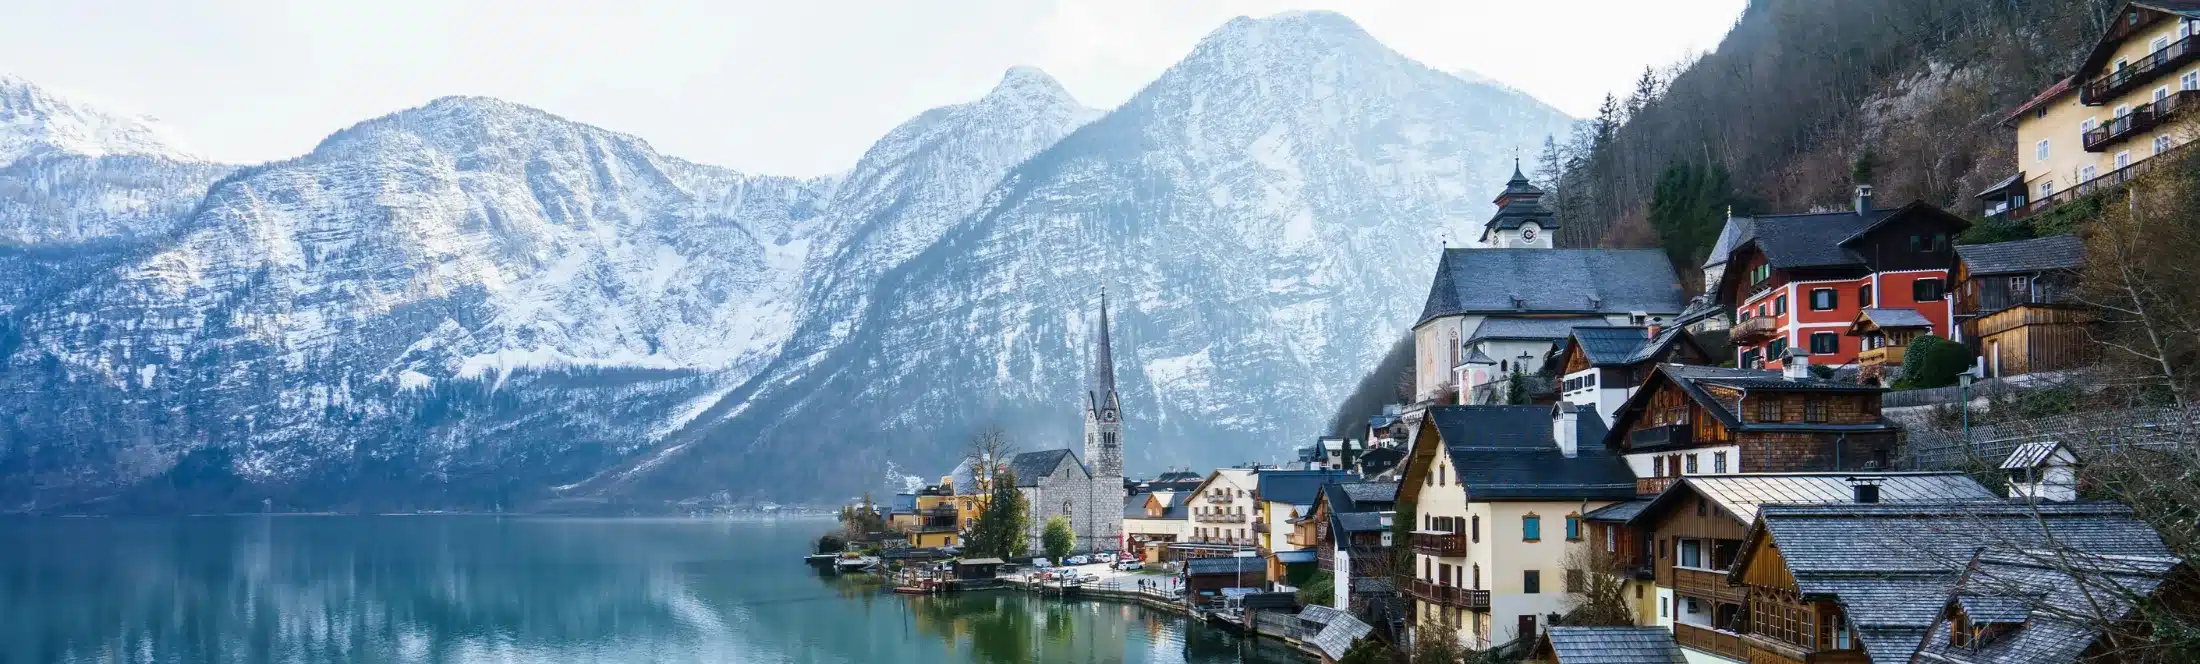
[
  {"x": 1264, "y": 213},
  {"x": 475, "y": 303}
]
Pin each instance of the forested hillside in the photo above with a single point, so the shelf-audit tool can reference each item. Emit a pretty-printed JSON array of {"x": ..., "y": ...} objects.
[
  {"x": 1801, "y": 101},
  {"x": 1804, "y": 99}
]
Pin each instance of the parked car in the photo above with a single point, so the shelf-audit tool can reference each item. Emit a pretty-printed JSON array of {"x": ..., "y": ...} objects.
[
  {"x": 1104, "y": 557},
  {"x": 1089, "y": 578},
  {"x": 1041, "y": 563},
  {"x": 1077, "y": 560},
  {"x": 1129, "y": 565}
]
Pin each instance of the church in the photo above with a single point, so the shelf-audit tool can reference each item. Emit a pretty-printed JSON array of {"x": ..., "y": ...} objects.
[{"x": 1090, "y": 490}]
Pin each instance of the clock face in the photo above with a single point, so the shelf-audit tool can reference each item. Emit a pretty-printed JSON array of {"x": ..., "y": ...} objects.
[
  {"x": 1108, "y": 414},
  {"x": 1528, "y": 234}
]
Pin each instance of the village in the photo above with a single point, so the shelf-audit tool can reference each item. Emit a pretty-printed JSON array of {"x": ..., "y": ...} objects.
[{"x": 1811, "y": 461}]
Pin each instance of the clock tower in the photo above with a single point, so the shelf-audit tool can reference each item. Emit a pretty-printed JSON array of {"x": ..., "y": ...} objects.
[
  {"x": 1103, "y": 445},
  {"x": 1521, "y": 221}
]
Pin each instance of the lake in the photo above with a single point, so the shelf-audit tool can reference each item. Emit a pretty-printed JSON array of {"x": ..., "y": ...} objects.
[{"x": 519, "y": 589}]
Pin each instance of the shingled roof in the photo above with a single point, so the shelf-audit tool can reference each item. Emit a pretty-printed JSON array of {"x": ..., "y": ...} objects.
[
  {"x": 1741, "y": 494},
  {"x": 1507, "y": 328},
  {"x": 1622, "y": 345},
  {"x": 1584, "y": 281},
  {"x": 1693, "y": 379},
  {"x": 1030, "y": 467},
  {"x": 1296, "y": 487},
  {"x": 1613, "y": 645},
  {"x": 1506, "y": 453},
  {"x": 2004, "y": 587},
  {"x": 2040, "y": 254},
  {"x": 1891, "y": 567}
]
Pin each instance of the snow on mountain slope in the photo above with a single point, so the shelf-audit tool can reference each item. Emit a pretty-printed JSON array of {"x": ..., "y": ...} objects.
[
  {"x": 1265, "y": 213},
  {"x": 35, "y": 121}
]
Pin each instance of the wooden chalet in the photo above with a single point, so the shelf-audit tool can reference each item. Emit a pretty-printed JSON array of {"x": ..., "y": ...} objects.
[
  {"x": 1886, "y": 333},
  {"x": 1696, "y": 420},
  {"x": 2014, "y": 304}
]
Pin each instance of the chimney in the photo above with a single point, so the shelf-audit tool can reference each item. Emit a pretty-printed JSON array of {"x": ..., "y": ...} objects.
[
  {"x": 1863, "y": 199},
  {"x": 1655, "y": 326},
  {"x": 1866, "y": 489},
  {"x": 1797, "y": 365},
  {"x": 1565, "y": 428}
]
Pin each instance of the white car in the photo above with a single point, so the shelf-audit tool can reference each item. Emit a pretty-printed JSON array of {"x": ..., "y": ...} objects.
[
  {"x": 1129, "y": 565},
  {"x": 1104, "y": 557},
  {"x": 1041, "y": 563},
  {"x": 1077, "y": 560}
]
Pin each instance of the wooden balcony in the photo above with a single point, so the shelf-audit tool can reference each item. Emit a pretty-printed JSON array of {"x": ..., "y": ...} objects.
[
  {"x": 2105, "y": 89},
  {"x": 1703, "y": 639},
  {"x": 1303, "y": 538},
  {"x": 1756, "y": 330},
  {"x": 1706, "y": 585},
  {"x": 1260, "y": 527},
  {"x": 2140, "y": 120},
  {"x": 2111, "y": 181},
  {"x": 1219, "y": 518},
  {"x": 1657, "y": 437},
  {"x": 1442, "y": 595},
  {"x": 1441, "y": 545},
  {"x": 1651, "y": 486}
]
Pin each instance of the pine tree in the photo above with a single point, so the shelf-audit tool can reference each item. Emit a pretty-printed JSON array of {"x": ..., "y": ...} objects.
[{"x": 999, "y": 532}]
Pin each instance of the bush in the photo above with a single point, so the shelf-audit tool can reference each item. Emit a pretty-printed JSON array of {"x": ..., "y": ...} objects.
[
  {"x": 1932, "y": 361},
  {"x": 1057, "y": 538},
  {"x": 830, "y": 543},
  {"x": 1320, "y": 589}
]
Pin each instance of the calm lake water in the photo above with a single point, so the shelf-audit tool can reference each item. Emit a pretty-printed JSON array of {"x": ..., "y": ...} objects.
[{"x": 491, "y": 589}]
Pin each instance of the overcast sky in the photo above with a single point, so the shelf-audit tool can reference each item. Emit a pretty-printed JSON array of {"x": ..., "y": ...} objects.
[{"x": 784, "y": 87}]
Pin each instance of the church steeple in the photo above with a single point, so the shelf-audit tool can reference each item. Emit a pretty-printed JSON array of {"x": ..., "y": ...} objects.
[
  {"x": 1103, "y": 410},
  {"x": 1521, "y": 220},
  {"x": 1103, "y": 357}
]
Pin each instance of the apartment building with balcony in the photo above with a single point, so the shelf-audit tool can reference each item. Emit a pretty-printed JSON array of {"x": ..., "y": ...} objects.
[
  {"x": 1281, "y": 498},
  {"x": 1688, "y": 537},
  {"x": 2129, "y": 102},
  {"x": 1697, "y": 420},
  {"x": 2016, "y": 303},
  {"x": 1350, "y": 533},
  {"x": 1221, "y": 512},
  {"x": 1496, "y": 495},
  {"x": 1796, "y": 282},
  {"x": 1602, "y": 366}
]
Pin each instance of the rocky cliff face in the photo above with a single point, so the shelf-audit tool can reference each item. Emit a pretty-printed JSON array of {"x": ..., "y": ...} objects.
[{"x": 479, "y": 304}]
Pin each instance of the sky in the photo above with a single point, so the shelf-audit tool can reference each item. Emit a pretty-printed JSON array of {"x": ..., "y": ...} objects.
[{"x": 785, "y": 88}]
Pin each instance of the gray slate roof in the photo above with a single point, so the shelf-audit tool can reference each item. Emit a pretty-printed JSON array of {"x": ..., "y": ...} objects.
[
  {"x": 1225, "y": 565},
  {"x": 1609, "y": 345},
  {"x": 1692, "y": 380},
  {"x": 1506, "y": 453},
  {"x": 1297, "y": 487},
  {"x": 1359, "y": 522},
  {"x": 2031, "y": 455},
  {"x": 1030, "y": 467},
  {"x": 1506, "y": 328},
  {"x": 1886, "y": 318},
  {"x": 1741, "y": 494},
  {"x": 1736, "y": 231},
  {"x": 1338, "y": 629},
  {"x": 1892, "y": 566},
  {"x": 1616, "y": 281},
  {"x": 1614, "y": 645},
  {"x": 2040, "y": 254},
  {"x": 1811, "y": 240},
  {"x": 1134, "y": 505},
  {"x": 1619, "y": 511},
  {"x": 1370, "y": 492},
  {"x": 2003, "y": 586}
]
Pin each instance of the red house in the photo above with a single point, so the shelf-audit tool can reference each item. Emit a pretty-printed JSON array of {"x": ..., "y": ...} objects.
[{"x": 1797, "y": 281}]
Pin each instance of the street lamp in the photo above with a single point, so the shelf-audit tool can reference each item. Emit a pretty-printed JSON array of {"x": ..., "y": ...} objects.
[{"x": 1963, "y": 391}]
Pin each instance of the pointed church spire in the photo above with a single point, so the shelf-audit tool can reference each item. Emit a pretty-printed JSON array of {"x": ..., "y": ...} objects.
[{"x": 1103, "y": 357}]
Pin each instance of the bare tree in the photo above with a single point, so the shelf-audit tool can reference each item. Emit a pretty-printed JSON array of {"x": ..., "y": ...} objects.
[
  {"x": 1596, "y": 586},
  {"x": 988, "y": 453}
]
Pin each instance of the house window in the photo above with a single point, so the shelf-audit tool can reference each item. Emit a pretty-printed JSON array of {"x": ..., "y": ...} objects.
[
  {"x": 2190, "y": 81},
  {"x": 2039, "y": 150},
  {"x": 1718, "y": 462},
  {"x": 1691, "y": 552},
  {"x": 1864, "y": 295},
  {"x": 1822, "y": 299},
  {"x": 1822, "y": 343},
  {"x": 1779, "y": 305},
  {"x": 1692, "y": 464},
  {"x": 1665, "y": 607},
  {"x": 1531, "y": 581},
  {"x": 2158, "y": 44},
  {"x": 1768, "y": 410},
  {"x": 2122, "y": 111},
  {"x": 2087, "y": 126},
  {"x": 2047, "y": 189},
  {"x": 2161, "y": 144},
  {"x": 1573, "y": 528},
  {"x": 1531, "y": 528},
  {"x": 1477, "y": 576},
  {"x": 1611, "y": 538},
  {"x": 2086, "y": 174},
  {"x": 1475, "y": 530},
  {"x": 1926, "y": 290},
  {"x": 2123, "y": 159},
  {"x": 1814, "y": 410},
  {"x": 2159, "y": 94},
  {"x": 2020, "y": 285},
  {"x": 1779, "y": 348}
]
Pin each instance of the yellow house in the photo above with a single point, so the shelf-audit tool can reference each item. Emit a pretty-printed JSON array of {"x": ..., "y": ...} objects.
[
  {"x": 937, "y": 519},
  {"x": 2127, "y": 103},
  {"x": 1497, "y": 495}
]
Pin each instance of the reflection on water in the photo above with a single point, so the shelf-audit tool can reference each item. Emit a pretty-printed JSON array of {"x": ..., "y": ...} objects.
[{"x": 466, "y": 589}]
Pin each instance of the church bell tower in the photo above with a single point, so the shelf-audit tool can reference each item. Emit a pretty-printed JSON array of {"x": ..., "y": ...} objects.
[{"x": 1103, "y": 410}]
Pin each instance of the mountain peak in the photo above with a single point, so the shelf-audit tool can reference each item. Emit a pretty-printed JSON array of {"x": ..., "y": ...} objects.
[
  {"x": 35, "y": 121},
  {"x": 1320, "y": 25},
  {"x": 1025, "y": 81}
]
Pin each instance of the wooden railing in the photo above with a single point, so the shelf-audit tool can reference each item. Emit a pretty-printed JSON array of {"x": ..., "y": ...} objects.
[
  {"x": 1880, "y": 356},
  {"x": 1704, "y": 639},
  {"x": 1465, "y": 598},
  {"x": 2109, "y": 182},
  {"x": 2106, "y": 88},
  {"x": 1222, "y": 517},
  {"x": 1448, "y": 545},
  {"x": 2146, "y": 117},
  {"x": 1707, "y": 585},
  {"x": 1670, "y": 435},
  {"x": 1651, "y": 486},
  {"x": 1755, "y": 329}
]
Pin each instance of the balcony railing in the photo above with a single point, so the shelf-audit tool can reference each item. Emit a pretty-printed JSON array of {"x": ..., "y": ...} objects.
[
  {"x": 1442, "y": 595},
  {"x": 1651, "y": 486},
  {"x": 1756, "y": 330},
  {"x": 1705, "y": 639},
  {"x": 1260, "y": 527},
  {"x": 1302, "y": 538},
  {"x": 1221, "y": 497},
  {"x": 2149, "y": 67},
  {"x": 1706, "y": 585},
  {"x": 2109, "y": 182},
  {"x": 1442, "y": 545},
  {"x": 1670, "y": 435},
  {"x": 1219, "y": 517},
  {"x": 1882, "y": 355},
  {"x": 2140, "y": 120},
  {"x": 1994, "y": 295}
]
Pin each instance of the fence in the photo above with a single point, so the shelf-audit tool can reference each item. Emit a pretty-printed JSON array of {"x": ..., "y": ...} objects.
[{"x": 1934, "y": 449}]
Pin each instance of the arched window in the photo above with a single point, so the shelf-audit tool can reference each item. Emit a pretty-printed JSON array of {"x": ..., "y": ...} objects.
[
  {"x": 1477, "y": 576},
  {"x": 1065, "y": 507}
]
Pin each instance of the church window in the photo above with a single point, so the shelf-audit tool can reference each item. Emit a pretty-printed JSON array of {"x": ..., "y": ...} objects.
[{"x": 1065, "y": 507}]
